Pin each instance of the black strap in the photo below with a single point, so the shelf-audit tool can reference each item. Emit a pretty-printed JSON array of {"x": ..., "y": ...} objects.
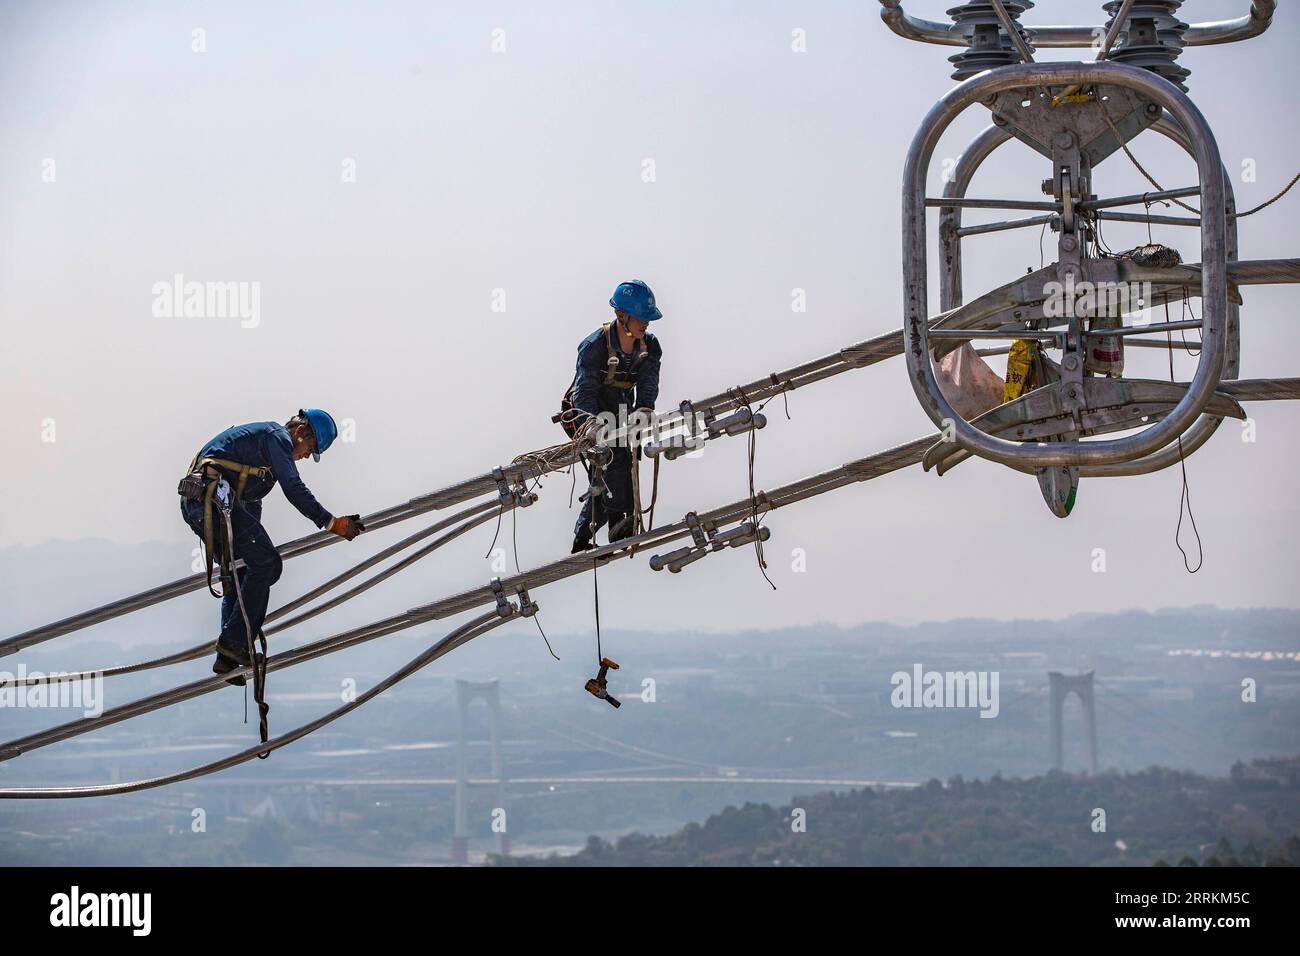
[
  {"x": 259, "y": 692},
  {"x": 613, "y": 351}
]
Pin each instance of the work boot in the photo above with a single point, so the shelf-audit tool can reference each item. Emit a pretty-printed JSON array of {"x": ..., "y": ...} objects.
[
  {"x": 580, "y": 545},
  {"x": 620, "y": 526},
  {"x": 231, "y": 658}
]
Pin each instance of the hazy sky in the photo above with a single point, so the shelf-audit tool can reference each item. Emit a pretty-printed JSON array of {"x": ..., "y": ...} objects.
[{"x": 522, "y": 170}]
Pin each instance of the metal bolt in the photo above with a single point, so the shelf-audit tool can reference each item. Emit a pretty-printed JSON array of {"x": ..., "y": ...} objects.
[
  {"x": 1068, "y": 243},
  {"x": 1064, "y": 140}
]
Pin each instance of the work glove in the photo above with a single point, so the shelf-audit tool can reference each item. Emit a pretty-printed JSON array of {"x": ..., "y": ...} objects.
[{"x": 347, "y": 526}]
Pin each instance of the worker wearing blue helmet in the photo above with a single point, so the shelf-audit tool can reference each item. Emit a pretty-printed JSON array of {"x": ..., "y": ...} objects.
[
  {"x": 617, "y": 371},
  {"x": 252, "y": 459}
]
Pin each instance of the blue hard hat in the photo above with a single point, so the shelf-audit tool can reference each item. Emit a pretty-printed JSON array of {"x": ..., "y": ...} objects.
[
  {"x": 636, "y": 299},
  {"x": 322, "y": 425}
]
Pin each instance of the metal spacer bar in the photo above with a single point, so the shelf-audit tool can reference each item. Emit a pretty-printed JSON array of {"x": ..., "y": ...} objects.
[{"x": 698, "y": 534}]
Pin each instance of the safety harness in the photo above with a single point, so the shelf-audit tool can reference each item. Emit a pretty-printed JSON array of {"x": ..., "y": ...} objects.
[
  {"x": 200, "y": 484},
  {"x": 613, "y": 376},
  {"x": 567, "y": 417}
]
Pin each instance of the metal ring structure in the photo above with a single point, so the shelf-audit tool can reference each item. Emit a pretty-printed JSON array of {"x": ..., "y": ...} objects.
[
  {"x": 1213, "y": 264},
  {"x": 951, "y": 291}
]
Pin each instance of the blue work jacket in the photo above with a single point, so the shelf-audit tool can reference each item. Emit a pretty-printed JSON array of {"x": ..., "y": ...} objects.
[{"x": 267, "y": 444}]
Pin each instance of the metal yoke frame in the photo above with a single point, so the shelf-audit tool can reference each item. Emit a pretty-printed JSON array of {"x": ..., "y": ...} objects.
[
  {"x": 1067, "y": 162},
  {"x": 951, "y": 293}
]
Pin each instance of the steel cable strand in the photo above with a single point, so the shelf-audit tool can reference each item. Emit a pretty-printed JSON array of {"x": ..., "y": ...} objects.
[
  {"x": 555, "y": 571},
  {"x": 176, "y": 695},
  {"x": 380, "y": 556},
  {"x": 529, "y": 465},
  {"x": 455, "y": 639},
  {"x": 402, "y": 565},
  {"x": 195, "y": 582},
  {"x": 863, "y": 469},
  {"x": 202, "y": 650},
  {"x": 860, "y": 470},
  {"x": 524, "y": 467}
]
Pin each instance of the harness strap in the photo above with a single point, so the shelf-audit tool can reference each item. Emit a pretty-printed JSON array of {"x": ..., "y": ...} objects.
[
  {"x": 244, "y": 472},
  {"x": 212, "y": 469},
  {"x": 208, "y": 534},
  {"x": 613, "y": 377}
]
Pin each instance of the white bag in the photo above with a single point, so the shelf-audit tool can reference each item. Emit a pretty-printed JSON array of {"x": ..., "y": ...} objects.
[{"x": 967, "y": 382}]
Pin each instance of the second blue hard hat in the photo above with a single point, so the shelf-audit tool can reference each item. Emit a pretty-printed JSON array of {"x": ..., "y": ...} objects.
[{"x": 636, "y": 299}]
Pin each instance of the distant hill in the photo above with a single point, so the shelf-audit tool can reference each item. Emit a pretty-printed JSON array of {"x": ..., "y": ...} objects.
[{"x": 1156, "y": 817}]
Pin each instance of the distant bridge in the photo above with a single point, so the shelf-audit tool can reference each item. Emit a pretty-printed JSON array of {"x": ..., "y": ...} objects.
[{"x": 260, "y": 781}]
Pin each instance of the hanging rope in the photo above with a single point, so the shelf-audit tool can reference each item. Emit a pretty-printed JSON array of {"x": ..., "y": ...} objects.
[
  {"x": 1192, "y": 209},
  {"x": 1264, "y": 205},
  {"x": 654, "y": 493},
  {"x": 1185, "y": 497},
  {"x": 753, "y": 498},
  {"x": 634, "y": 453},
  {"x": 514, "y": 536},
  {"x": 231, "y": 577},
  {"x": 785, "y": 388},
  {"x": 638, "y": 525},
  {"x": 595, "y": 589}
]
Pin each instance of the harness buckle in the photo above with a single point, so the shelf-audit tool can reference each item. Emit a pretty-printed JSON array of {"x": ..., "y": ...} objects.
[{"x": 225, "y": 496}]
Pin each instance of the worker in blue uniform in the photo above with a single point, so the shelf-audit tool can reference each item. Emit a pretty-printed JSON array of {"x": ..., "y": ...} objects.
[
  {"x": 617, "y": 373},
  {"x": 252, "y": 459}
]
